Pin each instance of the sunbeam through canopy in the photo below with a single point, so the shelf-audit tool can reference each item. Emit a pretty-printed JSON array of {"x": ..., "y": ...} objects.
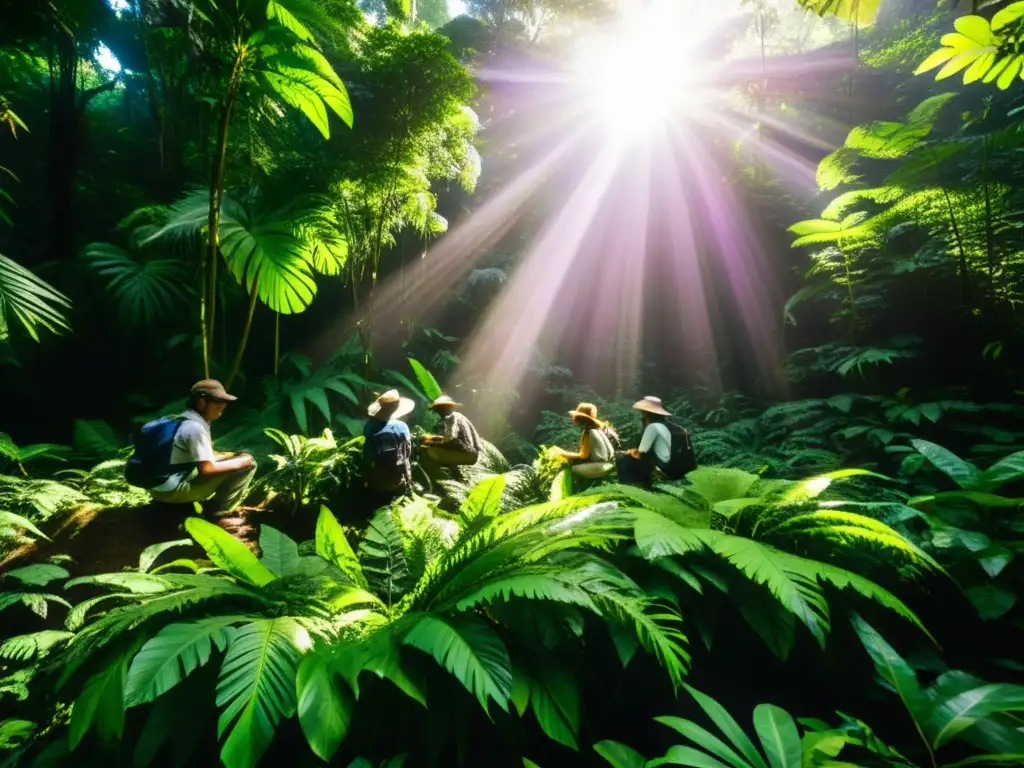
[{"x": 629, "y": 237}]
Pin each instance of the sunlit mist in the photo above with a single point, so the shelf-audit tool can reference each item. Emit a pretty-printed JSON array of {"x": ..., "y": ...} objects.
[{"x": 645, "y": 244}]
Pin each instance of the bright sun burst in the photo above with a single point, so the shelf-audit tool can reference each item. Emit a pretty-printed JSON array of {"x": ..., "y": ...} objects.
[{"x": 642, "y": 73}]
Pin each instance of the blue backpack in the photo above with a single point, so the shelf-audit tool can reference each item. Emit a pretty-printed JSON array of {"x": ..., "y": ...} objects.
[{"x": 150, "y": 465}]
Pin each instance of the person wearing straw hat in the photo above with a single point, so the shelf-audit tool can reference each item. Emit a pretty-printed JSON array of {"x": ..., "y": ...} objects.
[
  {"x": 655, "y": 450},
  {"x": 179, "y": 450},
  {"x": 596, "y": 455},
  {"x": 457, "y": 443},
  {"x": 387, "y": 451}
]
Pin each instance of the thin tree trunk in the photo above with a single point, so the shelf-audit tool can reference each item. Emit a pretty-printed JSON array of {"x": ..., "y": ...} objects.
[
  {"x": 245, "y": 334},
  {"x": 213, "y": 222},
  {"x": 965, "y": 280},
  {"x": 990, "y": 252}
]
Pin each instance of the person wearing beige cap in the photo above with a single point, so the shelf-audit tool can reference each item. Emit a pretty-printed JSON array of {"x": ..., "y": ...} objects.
[
  {"x": 175, "y": 461},
  {"x": 457, "y": 443},
  {"x": 636, "y": 466},
  {"x": 387, "y": 451}
]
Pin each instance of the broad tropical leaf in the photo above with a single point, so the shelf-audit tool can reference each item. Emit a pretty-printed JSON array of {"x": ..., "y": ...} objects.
[
  {"x": 426, "y": 380},
  {"x": 325, "y": 706},
  {"x": 101, "y": 703},
  {"x": 34, "y": 303},
  {"x": 151, "y": 553},
  {"x": 893, "y": 669},
  {"x": 228, "y": 553},
  {"x": 144, "y": 292},
  {"x": 862, "y": 12},
  {"x": 333, "y": 547},
  {"x": 619, "y": 755},
  {"x": 257, "y": 686},
  {"x": 280, "y": 553},
  {"x": 961, "y": 472},
  {"x": 779, "y": 736},
  {"x": 485, "y": 498},
  {"x": 173, "y": 654},
  {"x": 470, "y": 651}
]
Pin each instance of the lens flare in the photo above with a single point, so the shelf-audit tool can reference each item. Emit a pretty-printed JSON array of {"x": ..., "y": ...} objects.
[{"x": 639, "y": 75}]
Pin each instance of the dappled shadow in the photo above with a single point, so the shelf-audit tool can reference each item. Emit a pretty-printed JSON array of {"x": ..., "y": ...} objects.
[{"x": 102, "y": 540}]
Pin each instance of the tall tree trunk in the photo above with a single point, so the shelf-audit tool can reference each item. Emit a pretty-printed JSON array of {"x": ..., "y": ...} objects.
[
  {"x": 64, "y": 147},
  {"x": 213, "y": 221},
  {"x": 245, "y": 334}
]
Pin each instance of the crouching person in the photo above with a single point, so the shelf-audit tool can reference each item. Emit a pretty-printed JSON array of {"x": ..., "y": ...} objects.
[
  {"x": 595, "y": 457},
  {"x": 174, "y": 458},
  {"x": 458, "y": 443},
  {"x": 387, "y": 452}
]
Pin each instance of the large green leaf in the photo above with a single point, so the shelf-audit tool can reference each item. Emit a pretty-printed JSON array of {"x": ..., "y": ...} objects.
[
  {"x": 101, "y": 703},
  {"x": 779, "y": 736},
  {"x": 470, "y": 651},
  {"x": 1004, "y": 471},
  {"x": 961, "y": 472},
  {"x": 956, "y": 714},
  {"x": 426, "y": 380},
  {"x": 325, "y": 706},
  {"x": 861, "y": 12},
  {"x": 721, "y": 484},
  {"x": 728, "y": 726},
  {"x": 37, "y": 574},
  {"x": 32, "y": 302},
  {"x": 619, "y": 755},
  {"x": 173, "y": 654},
  {"x": 151, "y": 553},
  {"x": 11, "y": 520},
  {"x": 894, "y": 670},
  {"x": 144, "y": 292},
  {"x": 257, "y": 686},
  {"x": 228, "y": 553},
  {"x": 333, "y": 547},
  {"x": 280, "y": 553},
  {"x": 704, "y": 738},
  {"x": 485, "y": 498},
  {"x": 264, "y": 255},
  {"x": 303, "y": 79},
  {"x": 555, "y": 701},
  {"x": 382, "y": 556}
]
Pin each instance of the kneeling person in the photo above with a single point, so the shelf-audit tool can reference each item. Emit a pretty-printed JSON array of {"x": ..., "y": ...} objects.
[
  {"x": 178, "y": 451},
  {"x": 458, "y": 443}
]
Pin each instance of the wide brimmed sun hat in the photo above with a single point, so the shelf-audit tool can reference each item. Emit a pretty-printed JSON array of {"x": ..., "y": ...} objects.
[
  {"x": 587, "y": 412},
  {"x": 390, "y": 405},
  {"x": 651, "y": 405},
  {"x": 212, "y": 390},
  {"x": 442, "y": 401}
]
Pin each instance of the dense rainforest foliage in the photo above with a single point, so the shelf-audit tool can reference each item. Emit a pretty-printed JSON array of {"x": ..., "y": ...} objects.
[{"x": 315, "y": 201}]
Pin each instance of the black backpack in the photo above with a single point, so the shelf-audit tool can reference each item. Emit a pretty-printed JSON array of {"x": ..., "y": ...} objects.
[
  {"x": 150, "y": 464},
  {"x": 682, "y": 459}
]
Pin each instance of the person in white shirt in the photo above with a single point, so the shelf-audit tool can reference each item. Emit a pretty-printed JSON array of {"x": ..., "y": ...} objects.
[
  {"x": 655, "y": 450},
  {"x": 203, "y": 473}
]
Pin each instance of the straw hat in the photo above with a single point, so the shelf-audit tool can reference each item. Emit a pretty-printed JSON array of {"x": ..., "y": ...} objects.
[
  {"x": 651, "y": 405},
  {"x": 390, "y": 406},
  {"x": 441, "y": 401},
  {"x": 588, "y": 412}
]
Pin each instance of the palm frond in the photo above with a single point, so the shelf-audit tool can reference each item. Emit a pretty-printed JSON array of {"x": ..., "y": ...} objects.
[{"x": 34, "y": 303}]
